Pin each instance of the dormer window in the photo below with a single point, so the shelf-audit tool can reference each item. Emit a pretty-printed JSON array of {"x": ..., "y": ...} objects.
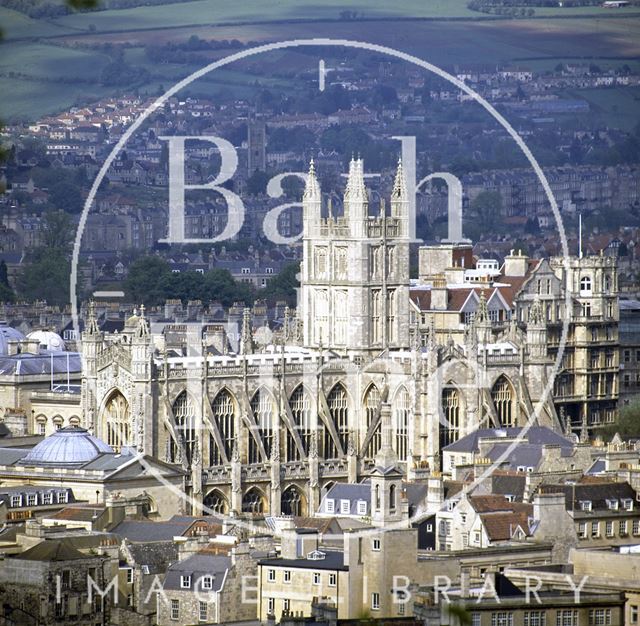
[
  {"x": 185, "y": 581},
  {"x": 362, "y": 507},
  {"x": 207, "y": 582},
  {"x": 330, "y": 505},
  {"x": 612, "y": 504},
  {"x": 627, "y": 504},
  {"x": 585, "y": 505},
  {"x": 16, "y": 500},
  {"x": 345, "y": 507}
]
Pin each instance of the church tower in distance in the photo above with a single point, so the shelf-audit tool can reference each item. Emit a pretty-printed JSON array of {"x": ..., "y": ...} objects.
[{"x": 355, "y": 270}]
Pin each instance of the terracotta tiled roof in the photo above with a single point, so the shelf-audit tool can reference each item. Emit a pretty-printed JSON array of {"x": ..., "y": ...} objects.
[{"x": 501, "y": 526}]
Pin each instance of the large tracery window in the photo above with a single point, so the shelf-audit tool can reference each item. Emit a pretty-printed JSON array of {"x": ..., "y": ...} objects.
[
  {"x": 401, "y": 412},
  {"x": 339, "y": 414},
  {"x": 215, "y": 502},
  {"x": 450, "y": 422},
  {"x": 118, "y": 422},
  {"x": 372, "y": 411},
  {"x": 223, "y": 409},
  {"x": 301, "y": 411},
  {"x": 263, "y": 410},
  {"x": 253, "y": 501},
  {"x": 503, "y": 397},
  {"x": 184, "y": 414},
  {"x": 292, "y": 502}
]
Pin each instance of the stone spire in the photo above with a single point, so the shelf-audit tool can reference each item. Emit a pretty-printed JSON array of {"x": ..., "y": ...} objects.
[
  {"x": 142, "y": 329},
  {"x": 92, "y": 320},
  {"x": 311, "y": 198},
  {"x": 246, "y": 338},
  {"x": 312, "y": 187},
  {"x": 399, "y": 184},
  {"x": 355, "y": 196},
  {"x": 386, "y": 456}
]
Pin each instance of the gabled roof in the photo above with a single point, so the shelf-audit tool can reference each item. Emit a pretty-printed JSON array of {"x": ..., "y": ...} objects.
[
  {"x": 53, "y": 550},
  {"x": 197, "y": 566}
]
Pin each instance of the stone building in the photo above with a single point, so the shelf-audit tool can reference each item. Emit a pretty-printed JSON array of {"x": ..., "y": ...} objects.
[
  {"x": 268, "y": 428},
  {"x": 48, "y": 584}
]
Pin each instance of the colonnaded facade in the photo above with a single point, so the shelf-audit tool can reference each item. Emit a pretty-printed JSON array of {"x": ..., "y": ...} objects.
[{"x": 267, "y": 429}]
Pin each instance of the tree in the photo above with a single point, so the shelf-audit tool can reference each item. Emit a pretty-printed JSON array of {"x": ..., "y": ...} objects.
[
  {"x": 46, "y": 277},
  {"x": 6, "y": 293},
  {"x": 257, "y": 183},
  {"x": 58, "y": 229},
  {"x": 488, "y": 207},
  {"x": 627, "y": 424},
  {"x": 143, "y": 280},
  {"x": 284, "y": 286}
]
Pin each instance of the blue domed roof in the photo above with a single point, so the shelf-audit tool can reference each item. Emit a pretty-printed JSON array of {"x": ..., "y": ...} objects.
[
  {"x": 68, "y": 446},
  {"x": 7, "y": 334}
]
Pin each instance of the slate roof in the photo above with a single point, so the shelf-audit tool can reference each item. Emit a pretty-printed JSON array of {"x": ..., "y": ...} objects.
[
  {"x": 196, "y": 566},
  {"x": 535, "y": 435},
  {"x": 155, "y": 555},
  {"x": 503, "y": 483},
  {"x": 333, "y": 560},
  {"x": 597, "y": 493},
  {"x": 178, "y": 526}
]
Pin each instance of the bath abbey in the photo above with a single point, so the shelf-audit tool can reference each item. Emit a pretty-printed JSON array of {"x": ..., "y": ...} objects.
[{"x": 264, "y": 417}]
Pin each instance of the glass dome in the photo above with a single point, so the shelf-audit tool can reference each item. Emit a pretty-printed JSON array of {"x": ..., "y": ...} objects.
[{"x": 68, "y": 446}]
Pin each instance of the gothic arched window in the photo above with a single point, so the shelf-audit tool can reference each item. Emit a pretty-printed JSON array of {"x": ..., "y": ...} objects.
[
  {"x": 263, "y": 410},
  {"x": 339, "y": 414},
  {"x": 371, "y": 410},
  {"x": 215, "y": 502},
  {"x": 450, "y": 421},
  {"x": 185, "y": 416},
  {"x": 292, "y": 502},
  {"x": 503, "y": 397},
  {"x": 223, "y": 409},
  {"x": 301, "y": 411},
  {"x": 401, "y": 413},
  {"x": 392, "y": 497},
  {"x": 117, "y": 419},
  {"x": 253, "y": 501}
]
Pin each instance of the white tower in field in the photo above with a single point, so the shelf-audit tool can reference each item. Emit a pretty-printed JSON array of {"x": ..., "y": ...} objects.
[{"x": 355, "y": 271}]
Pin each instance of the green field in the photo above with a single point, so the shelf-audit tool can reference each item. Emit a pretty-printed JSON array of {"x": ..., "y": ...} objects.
[
  {"x": 224, "y": 12},
  {"x": 37, "y": 67},
  {"x": 619, "y": 107}
]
